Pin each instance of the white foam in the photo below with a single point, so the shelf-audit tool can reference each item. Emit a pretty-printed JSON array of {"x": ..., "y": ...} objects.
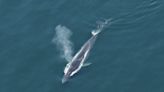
[{"x": 101, "y": 26}]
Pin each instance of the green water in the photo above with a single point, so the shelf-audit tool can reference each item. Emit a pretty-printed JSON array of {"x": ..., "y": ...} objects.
[{"x": 128, "y": 56}]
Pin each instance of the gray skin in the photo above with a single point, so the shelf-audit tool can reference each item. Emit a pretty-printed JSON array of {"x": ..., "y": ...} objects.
[{"x": 75, "y": 64}]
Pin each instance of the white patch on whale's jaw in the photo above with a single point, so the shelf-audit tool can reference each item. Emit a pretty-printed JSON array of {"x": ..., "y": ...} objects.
[
  {"x": 74, "y": 72},
  {"x": 66, "y": 68}
]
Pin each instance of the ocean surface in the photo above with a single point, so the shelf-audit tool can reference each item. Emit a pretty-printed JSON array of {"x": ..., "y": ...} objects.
[{"x": 128, "y": 55}]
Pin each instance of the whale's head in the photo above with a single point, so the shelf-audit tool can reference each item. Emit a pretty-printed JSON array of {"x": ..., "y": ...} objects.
[{"x": 66, "y": 77}]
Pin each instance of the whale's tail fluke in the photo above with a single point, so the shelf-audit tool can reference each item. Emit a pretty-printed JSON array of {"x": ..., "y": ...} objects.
[
  {"x": 95, "y": 32},
  {"x": 101, "y": 26}
]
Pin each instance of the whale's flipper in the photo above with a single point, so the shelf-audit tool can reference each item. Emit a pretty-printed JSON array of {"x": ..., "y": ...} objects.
[{"x": 86, "y": 64}]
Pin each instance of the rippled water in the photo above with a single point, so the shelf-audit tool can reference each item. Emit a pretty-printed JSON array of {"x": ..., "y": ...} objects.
[{"x": 128, "y": 55}]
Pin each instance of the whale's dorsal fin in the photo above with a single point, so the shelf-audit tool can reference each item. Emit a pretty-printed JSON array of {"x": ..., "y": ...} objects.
[{"x": 86, "y": 64}]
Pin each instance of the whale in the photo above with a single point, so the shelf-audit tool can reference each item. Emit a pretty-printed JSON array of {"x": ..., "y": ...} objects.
[{"x": 78, "y": 60}]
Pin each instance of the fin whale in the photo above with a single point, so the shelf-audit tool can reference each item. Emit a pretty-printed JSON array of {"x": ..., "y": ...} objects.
[{"x": 78, "y": 60}]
